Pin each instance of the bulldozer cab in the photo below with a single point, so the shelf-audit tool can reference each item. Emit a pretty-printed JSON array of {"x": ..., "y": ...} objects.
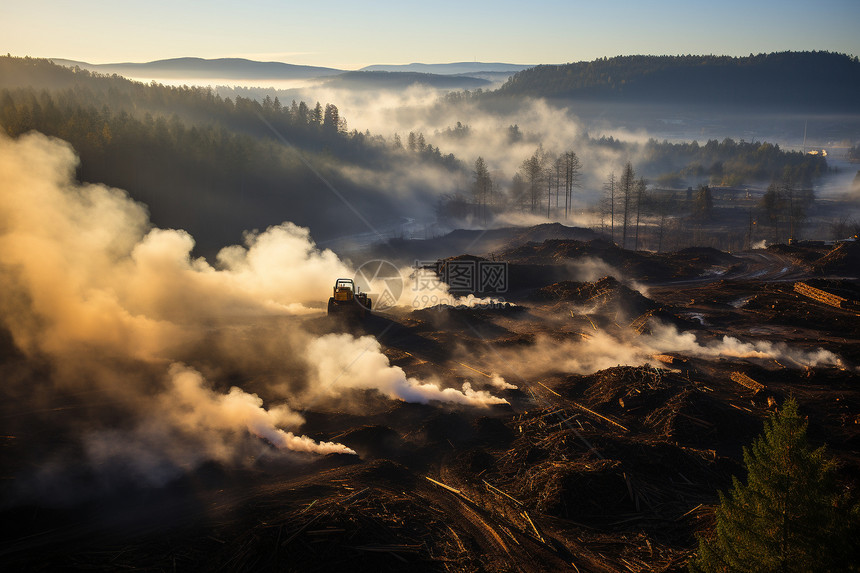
[
  {"x": 348, "y": 300},
  {"x": 344, "y": 290}
]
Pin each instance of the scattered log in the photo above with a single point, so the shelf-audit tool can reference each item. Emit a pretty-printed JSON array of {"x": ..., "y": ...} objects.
[
  {"x": 453, "y": 490},
  {"x": 640, "y": 324},
  {"x": 820, "y": 295},
  {"x": 747, "y": 382},
  {"x": 601, "y": 416},
  {"x": 548, "y": 388},
  {"x": 497, "y": 490},
  {"x": 475, "y": 370},
  {"x": 534, "y": 527}
]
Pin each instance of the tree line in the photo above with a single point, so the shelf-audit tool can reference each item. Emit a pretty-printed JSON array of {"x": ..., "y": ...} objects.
[
  {"x": 722, "y": 163},
  {"x": 161, "y": 143},
  {"x": 544, "y": 184},
  {"x": 636, "y": 214},
  {"x": 202, "y": 163},
  {"x": 416, "y": 144},
  {"x": 547, "y": 184},
  {"x": 799, "y": 80}
]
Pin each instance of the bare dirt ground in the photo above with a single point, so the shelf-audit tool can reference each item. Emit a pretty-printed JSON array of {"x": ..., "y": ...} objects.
[{"x": 590, "y": 467}]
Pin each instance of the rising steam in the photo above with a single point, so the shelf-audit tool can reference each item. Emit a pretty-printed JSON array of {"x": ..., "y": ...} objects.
[
  {"x": 122, "y": 310},
  {"x": 193, "y": 424},
  {"x": 601, "y": 350},
  {"x": 344, "y": 362}
]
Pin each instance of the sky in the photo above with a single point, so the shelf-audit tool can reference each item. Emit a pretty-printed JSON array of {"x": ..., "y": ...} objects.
[{"x": 346, "y": 34}]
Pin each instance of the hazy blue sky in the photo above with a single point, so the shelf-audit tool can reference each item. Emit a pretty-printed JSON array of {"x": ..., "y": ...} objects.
[{"x": 350, "y": 34}]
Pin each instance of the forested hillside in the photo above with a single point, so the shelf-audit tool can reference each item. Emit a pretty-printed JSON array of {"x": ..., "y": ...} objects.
[
  {"x": 787, "y": 80},
  {"x": 190, "y": 68},
  {"x": 218, "y": 166},
  {"x": 727, "y": 162}
]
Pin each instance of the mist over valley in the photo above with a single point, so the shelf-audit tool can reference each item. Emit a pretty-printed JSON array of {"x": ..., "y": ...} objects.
[{"x": 590, "y": 285}]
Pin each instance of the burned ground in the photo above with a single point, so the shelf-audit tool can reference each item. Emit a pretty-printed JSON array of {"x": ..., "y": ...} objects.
[{"x": 613, "y": 468}]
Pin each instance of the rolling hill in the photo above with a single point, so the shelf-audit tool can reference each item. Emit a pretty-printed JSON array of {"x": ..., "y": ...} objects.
[
  {"x": 455, "y": 68},
  {"x": 402, "y": 80},
  {"x": 787, "y": 80},
  {"x": 199, "y": 68}
]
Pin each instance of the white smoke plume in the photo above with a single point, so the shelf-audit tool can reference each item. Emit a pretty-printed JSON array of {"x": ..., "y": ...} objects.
[
  {"x": 666, "y": 338},
  {"x": 411, "y": 288},
  {"x": 122, "y": 310},
  {"x": 600, "y": 350},
  {"x": 344, "y": 362},
  {"x": 500, "y": 383},
  {"x": 195, "y": 407},
  {"x": 191, "y": 424}
]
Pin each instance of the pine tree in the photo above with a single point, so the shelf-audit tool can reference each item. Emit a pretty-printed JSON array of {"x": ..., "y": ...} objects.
[
  {"x": 572, "y": 174},
  {"x": 789, "y": 515},
  {"x": 704, "y": 205},
  {"x": 317, "y": 115},
  {"x": 627, "y": 188},
  {"x": 641, "y": 187},
  {"x": 482, "y": 186},
  {"x": 331, "y": 118},
  {"x": 610, "y": 188}
]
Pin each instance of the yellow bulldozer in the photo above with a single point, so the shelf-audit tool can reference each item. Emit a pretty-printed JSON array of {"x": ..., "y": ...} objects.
[{"x": 348, "y": 301}]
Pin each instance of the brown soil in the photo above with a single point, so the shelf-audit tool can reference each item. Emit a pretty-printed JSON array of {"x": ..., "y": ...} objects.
[{"x": 615, "y": 470}]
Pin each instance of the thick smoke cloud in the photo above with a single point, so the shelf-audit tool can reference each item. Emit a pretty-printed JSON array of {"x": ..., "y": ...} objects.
[
  {"x": 193, "y": 424},
  {"x": 100, "y": 303},
  {"x": 600, "y": 350},
  {"x": 345, "y": 362}
]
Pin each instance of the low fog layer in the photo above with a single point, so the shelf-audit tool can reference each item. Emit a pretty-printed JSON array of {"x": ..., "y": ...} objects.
[
  {"x": 559, "y": 126},
  {"x": 600, "y": 350}
]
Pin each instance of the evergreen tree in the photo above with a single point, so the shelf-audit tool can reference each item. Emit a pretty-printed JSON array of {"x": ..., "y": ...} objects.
[
  {"x": 704, "y": 205},
  {"x": 572, "y": 173},
  {"x": 610, "y": 188},
  {"x": 789, "y": 515},
  {"x": 482, "y": 186},
  {"x": 317, "y": 115},
  {"x": 519, "y": 192},
  {"x": 331, "y": 118},
  {"x": 302, "y": 114},
  {"x": 627, "y": 189},
  {"x": 641, "y": 187}
]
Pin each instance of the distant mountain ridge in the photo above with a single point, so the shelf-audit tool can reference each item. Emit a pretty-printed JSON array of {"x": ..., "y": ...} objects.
[
  {"x": 785, "y": 80},
  {"x": 199, "y": 68},
  {"x": 455, "y": 68},
  {"x": 243, "y": 69},
  {"x": 400, "y": 80}
]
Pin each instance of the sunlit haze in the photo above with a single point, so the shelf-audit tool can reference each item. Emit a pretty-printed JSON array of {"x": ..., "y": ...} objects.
[
  {"x": 349, "y": 35},
  {"x": 474, "y": 286}
]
